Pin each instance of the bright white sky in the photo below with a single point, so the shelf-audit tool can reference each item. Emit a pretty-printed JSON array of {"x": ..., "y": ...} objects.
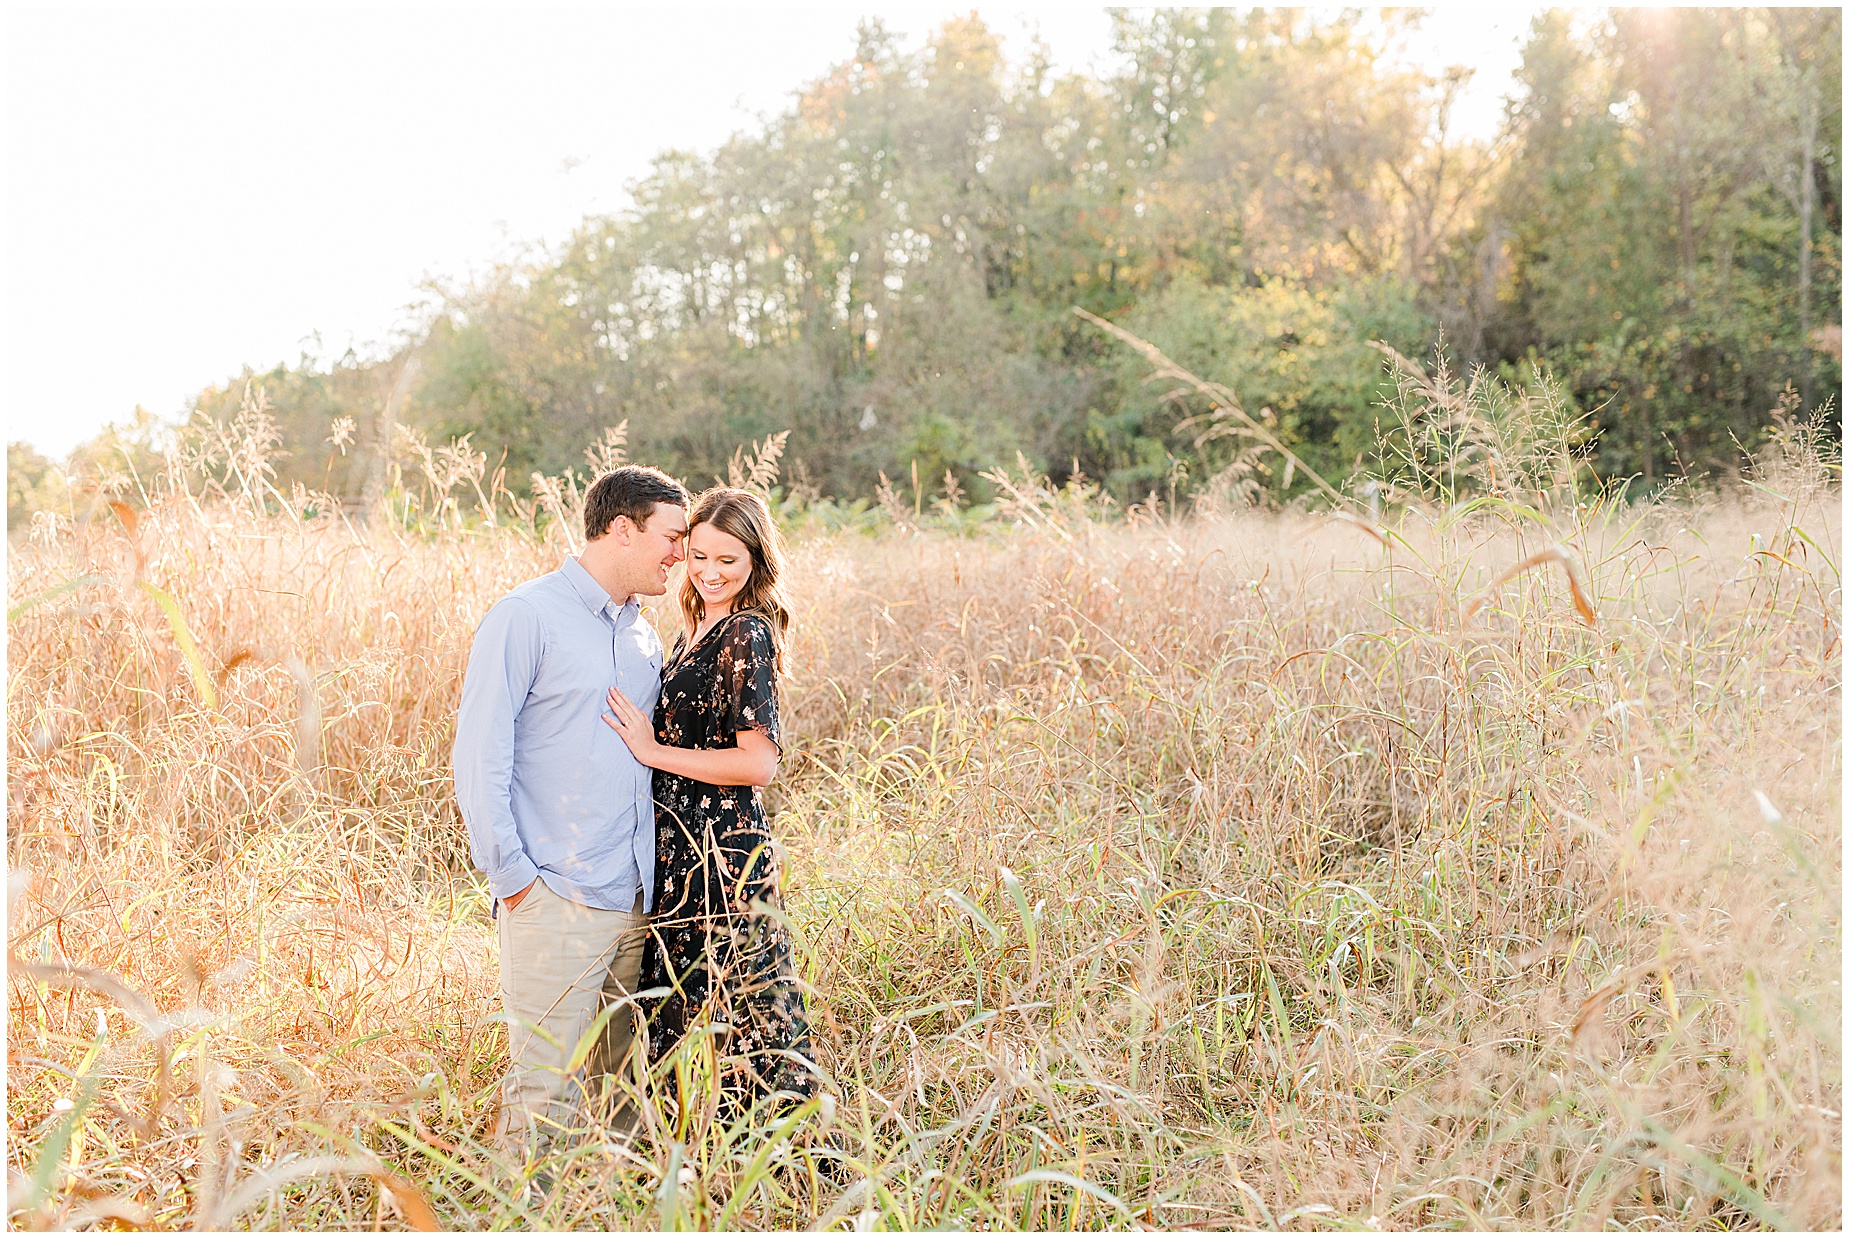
[{"x": 190, "y": 191}]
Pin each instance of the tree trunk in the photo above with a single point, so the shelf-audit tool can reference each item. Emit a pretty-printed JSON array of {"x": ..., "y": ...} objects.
[
  {"x": 1685, "y": 231},
  {"x": 1807, "y": 197}
]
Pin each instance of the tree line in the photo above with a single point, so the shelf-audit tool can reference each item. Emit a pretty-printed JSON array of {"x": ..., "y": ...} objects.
[{"x": 888, "y": 268}]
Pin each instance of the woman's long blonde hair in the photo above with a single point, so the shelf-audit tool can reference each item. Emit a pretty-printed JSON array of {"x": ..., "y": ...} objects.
[{"x": 744, "y": 516}]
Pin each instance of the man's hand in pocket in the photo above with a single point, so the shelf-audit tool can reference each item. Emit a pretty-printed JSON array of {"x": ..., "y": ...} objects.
[{"x": 513, "y": 901}]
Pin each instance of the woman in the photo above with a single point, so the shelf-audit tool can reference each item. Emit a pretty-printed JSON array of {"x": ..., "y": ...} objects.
[{"x": 714, "y": 742}]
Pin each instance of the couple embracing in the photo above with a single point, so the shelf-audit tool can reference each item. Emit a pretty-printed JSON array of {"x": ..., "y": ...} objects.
[{"x": 612, "y": 797}]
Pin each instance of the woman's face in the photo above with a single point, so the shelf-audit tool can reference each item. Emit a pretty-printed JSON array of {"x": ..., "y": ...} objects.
[{"x": 718, "y": 564}]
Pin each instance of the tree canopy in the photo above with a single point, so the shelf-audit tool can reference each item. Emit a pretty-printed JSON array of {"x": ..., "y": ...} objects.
[{"x": 888, "y": 268}]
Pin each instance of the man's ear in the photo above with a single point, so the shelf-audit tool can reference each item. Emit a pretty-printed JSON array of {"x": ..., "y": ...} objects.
[{"x": 621, "y": 528}]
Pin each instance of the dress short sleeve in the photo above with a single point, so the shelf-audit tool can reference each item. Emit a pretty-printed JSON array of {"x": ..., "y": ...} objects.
[{"x": 748, "y": 677}]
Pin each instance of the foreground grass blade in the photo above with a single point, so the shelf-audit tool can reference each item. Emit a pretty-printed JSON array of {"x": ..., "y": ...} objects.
[{"x": 188, "y": 648}]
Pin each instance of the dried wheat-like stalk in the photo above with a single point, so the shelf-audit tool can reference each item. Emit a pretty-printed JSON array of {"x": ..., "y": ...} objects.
[
  {"x": 1576, "y": 582},
  {"x": 1355, "y": 519},
  {"x": 610, "y": 452},
  {"x": 757, "y": 469}
]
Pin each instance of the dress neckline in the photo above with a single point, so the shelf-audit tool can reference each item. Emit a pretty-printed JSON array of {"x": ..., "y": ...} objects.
[{"x": 686, "y": 648}]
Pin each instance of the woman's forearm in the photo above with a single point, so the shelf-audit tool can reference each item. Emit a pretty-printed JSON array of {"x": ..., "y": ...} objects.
[{"x": 752, "y": 764}]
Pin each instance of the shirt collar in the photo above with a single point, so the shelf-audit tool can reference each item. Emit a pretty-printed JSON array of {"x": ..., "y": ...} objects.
[{"x": 590, "y": 593}]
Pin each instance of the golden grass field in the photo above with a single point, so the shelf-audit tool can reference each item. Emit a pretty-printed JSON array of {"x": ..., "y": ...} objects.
[{"x": 1244, "y": 870}]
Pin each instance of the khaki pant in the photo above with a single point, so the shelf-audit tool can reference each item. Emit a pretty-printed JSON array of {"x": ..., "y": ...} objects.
[{"x": 561, "y": 964}]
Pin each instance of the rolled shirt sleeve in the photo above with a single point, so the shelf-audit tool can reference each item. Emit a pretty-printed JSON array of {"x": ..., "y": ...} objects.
[{"x": 503, "y": 662}]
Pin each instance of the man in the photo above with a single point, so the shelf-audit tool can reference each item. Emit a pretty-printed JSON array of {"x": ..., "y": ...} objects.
[{"x": 561, "y": 817}]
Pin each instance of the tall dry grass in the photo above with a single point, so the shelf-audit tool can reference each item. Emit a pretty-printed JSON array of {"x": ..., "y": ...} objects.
[{"x": 1251, "y": 870}]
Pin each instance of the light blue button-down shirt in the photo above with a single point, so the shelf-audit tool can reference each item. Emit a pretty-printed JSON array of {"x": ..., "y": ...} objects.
[{"x": 548, "y": 790}]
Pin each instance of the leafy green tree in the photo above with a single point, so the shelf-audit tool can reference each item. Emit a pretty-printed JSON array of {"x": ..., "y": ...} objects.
[
  {"x": 888, "y": 267},
  {"x": 1656, "y": 262}
]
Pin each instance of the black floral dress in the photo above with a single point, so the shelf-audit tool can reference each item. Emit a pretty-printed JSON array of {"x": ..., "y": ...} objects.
[{"x": 716, "y": 871}]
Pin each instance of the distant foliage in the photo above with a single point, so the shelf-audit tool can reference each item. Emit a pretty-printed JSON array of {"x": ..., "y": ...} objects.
[
  {"x": 1671, "y": 225},
  {"x": 886, "y": 270}
]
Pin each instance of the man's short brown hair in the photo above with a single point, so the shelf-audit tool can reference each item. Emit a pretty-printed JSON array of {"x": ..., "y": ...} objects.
[{"x": 631, "y": 491}]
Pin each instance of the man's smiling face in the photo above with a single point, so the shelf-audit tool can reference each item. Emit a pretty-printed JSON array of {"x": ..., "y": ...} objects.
[{"x": 661, "y": 542}]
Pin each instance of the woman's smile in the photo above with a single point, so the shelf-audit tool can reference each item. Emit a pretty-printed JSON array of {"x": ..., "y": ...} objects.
[{"x": 719, "y": 566}]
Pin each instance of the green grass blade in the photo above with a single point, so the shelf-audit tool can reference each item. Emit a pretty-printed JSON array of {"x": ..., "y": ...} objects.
[{"x": 184, "y": 635}]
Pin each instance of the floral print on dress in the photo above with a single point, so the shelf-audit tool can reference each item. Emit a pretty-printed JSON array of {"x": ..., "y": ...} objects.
[{"x": 717, "y": 941}]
